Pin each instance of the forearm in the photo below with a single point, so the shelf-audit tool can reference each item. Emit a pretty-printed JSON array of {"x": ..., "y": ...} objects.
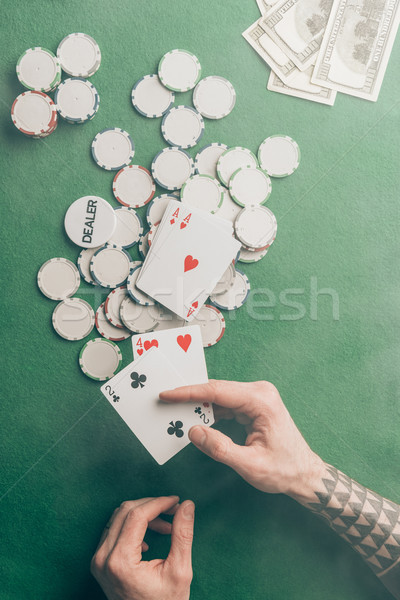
[{"x": 368, "y": 522}]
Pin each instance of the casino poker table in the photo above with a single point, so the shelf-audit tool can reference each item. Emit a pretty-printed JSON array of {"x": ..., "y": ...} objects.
[{"x": 321, "y": 322}]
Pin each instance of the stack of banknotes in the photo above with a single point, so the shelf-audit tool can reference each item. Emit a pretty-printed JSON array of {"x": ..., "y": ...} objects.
[{"x": 316, "y": 48}]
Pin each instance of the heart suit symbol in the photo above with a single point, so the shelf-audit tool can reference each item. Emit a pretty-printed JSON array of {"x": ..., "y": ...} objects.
[
  {"x": 184, "y": 341},
  {"x": 190, "y": 263},
  {"x": 150, "y": 343}
]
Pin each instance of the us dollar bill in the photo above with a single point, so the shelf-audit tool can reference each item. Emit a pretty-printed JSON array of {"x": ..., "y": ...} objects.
[
  {"x": 356, "y": 46},
  {"x": 265, "y": 6},
  {"x": 297, "y": 27},
  {"x": 301, "y": 87},
  {"x": 270, "y": 52}
]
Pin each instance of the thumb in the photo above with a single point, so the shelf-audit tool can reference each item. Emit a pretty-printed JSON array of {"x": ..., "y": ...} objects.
[
  {"x": 217, "y": 445},
  {"x": 180, "y": 555}
]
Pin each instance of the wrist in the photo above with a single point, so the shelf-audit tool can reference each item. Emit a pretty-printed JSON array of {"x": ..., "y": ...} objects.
[{"x": 309, "y": 479}]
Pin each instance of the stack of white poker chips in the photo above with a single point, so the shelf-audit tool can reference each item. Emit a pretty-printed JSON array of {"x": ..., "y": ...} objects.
[
  {"x": 182, "y": 126},
  {"x": 76, "y": 100}
]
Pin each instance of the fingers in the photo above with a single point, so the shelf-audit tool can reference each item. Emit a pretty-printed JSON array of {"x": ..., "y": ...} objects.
[
  {"x": 180, "y": 555},
  {"x": 160, "y": 526},
  {"x": 136, "y": 522},
  {"x": 111, "y": 532},
  {"x": 218, "y": 446},
  {"x": 242, "y": 397}
]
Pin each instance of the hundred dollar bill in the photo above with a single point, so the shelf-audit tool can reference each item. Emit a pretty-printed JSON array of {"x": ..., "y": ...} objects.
[
  {"x": 297, "y": 27},
  {"x": 301, "y": 87},
  {"x": 265, "y": 6},
  {"x": 270, "y": 52},
  {"x": 356, "y": 47}
]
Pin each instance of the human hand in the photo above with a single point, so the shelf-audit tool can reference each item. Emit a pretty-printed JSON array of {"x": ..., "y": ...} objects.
[
  {"x": 275, "y": 458},
  {"x": 117, "y": 563}
]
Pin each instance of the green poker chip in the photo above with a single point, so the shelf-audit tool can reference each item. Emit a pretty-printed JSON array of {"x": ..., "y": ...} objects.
[
  {"x": 179, "y": 70},
  {"x": 39, "y": 70},
  {"x": 279, "y": 155},
  {"x": 204, "y": 192},
  {"x": 250, "y": 186},
  {"x": 100, "y": 359},
  {"x": 233, "y": 159}
]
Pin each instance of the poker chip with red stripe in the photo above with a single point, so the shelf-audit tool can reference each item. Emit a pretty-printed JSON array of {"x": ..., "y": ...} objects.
[
  {"x": 112, "y": 305},
  {"x": 107, "y": 330},
  {"x": 133, "y": 186},
  {"x": 211, "y": 323},
  {"x": 34, "y": 114}
]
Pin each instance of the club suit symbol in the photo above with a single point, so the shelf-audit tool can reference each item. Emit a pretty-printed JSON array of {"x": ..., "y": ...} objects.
[
  {"x": 176, "y": 428},
  {"x": 137, "y": 380},
  {"x": 197, "y": 410}
]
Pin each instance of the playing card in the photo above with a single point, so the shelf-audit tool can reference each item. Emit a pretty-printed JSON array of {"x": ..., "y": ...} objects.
[
  {"x": 187, "y": 259},
  {"x": 134, "y": 393},
  {"x": 183, "y": 346}
]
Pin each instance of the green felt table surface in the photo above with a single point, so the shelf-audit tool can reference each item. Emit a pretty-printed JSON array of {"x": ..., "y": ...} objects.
[{"x": 67, "y": 458}]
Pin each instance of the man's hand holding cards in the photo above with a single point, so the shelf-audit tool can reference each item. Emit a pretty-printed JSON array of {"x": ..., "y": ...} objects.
[
  {"x": 188, "y": 256},
  {"x": 163, "y": 360}
]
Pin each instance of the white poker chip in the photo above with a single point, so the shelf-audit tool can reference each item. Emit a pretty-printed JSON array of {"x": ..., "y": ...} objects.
[
  {"x": 152, "y": 234},
  {"x": 138, "y": 318},
  {"x": 143, "y": 245},
  {"x": 83, "y": 262},
  {"x": 136, "y": 294},
  {"x": 128, "y": 229},
  {"x": 112, "y": 305},
  {"x": 214, "y": 97},
  {"x": 156, "y": 208},
  {"x": 202, "y": 191},
  {"x": 107, "y": 330},
  {"x": 100, "y": 359},
  {"x": 38, "y": 69},
  {"x": 150, "y": 97},
  {"x": 251, "y": 256},
  {"x": 166, "y": 318},
  {"x": 179, "y": 70},
  {"x": 77, "y": 100},
  {"x": 256, "y": 227},
  {"x": 250, "y": 186},
  {"x": 228, "y": 210},
  {"x": 171, "y": 167},
  {"x": 110, "y": 266},
  {"x": 73, "y": 319},
  {"x": 233, "y": 159},
  {"x": 207, "y": 158},
  {"x": 34, "y": 114},
  {"x": 58, "y": 279},
  {"x": 79, "y": 55},
  {"x": 235, "y": 296},
  {"x": 279, "y": 155},
  {"x": 211, "y": 323},
  {"x": 113, "y": 149},
  {"x": 133, "y": 186},
  {"x": 182, "y": 126},
  {"x": 90, "y": 221},
  {"x": 226, "y": 281}
]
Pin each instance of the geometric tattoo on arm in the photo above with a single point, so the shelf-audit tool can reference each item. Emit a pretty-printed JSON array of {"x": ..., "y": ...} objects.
[{"x": 368, "y": 522}]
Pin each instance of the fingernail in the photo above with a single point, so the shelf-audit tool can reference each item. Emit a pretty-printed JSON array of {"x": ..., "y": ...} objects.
[
  {"x": 188, "y": 510},
  {"x": 197, "y": 435}
]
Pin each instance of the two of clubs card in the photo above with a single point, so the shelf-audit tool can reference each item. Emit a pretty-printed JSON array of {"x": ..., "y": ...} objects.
[
  {"x": 190, "y": 252},
  {"x": 162, "y": 361}
]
